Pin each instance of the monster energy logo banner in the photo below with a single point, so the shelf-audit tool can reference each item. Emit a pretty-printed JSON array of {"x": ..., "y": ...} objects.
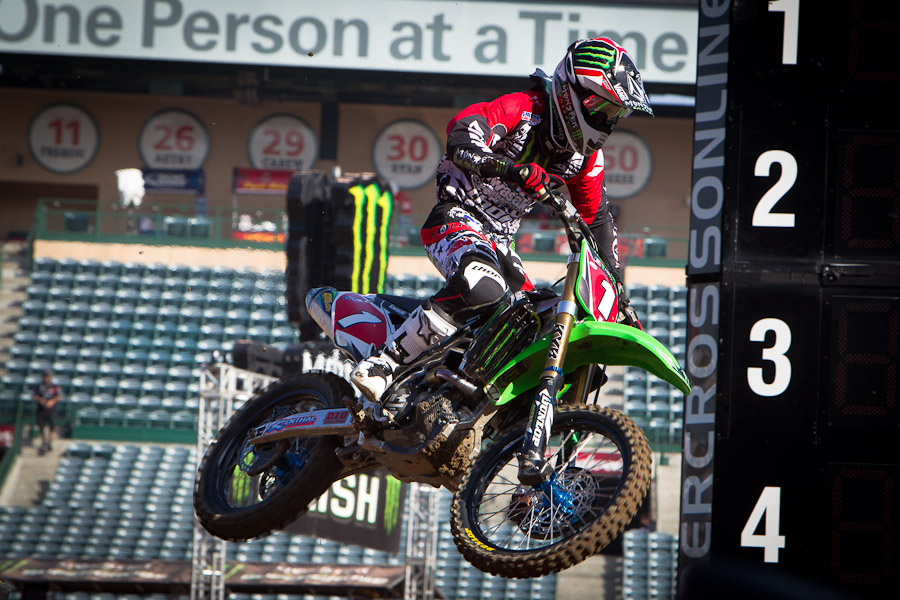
[
  {"x": 372, "y": 205},
  {"x": 362, "y": 509}
]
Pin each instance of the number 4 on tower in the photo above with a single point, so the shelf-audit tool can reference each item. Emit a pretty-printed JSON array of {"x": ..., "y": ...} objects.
[{"x": 769, "y": 503}]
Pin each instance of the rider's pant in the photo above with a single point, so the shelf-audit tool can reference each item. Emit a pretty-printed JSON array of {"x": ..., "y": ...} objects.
[{"x": 480, "y": 268}]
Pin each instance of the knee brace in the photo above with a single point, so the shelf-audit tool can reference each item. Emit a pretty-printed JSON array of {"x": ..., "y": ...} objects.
[{"x": 474, "y": 287}]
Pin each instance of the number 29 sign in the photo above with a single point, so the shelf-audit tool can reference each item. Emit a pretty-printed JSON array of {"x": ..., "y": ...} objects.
[
  {"x": 63, "y": 138},
  {"x": 174, "y": 139},
  {"x": 282, "y": 142},
  {"x": 406, "y": 152}
]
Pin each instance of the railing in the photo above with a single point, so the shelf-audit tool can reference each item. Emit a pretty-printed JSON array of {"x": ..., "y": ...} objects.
[
  {"x": 160, "y": 224},
  {"x": 177, "y": 224}
]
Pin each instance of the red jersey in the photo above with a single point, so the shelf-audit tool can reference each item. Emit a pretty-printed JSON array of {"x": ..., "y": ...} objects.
[{"x": 510, "y": 126}]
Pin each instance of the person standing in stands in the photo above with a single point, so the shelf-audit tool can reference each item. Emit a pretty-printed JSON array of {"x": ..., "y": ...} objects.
[{"x": 47, "y": 395}]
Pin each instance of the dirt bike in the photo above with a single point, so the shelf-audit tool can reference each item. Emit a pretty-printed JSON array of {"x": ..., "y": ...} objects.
[{"x": 516, "y": 380}]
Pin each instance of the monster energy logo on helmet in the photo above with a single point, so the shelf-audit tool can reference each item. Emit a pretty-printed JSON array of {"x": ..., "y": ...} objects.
[{"x": 594, "y": 54}]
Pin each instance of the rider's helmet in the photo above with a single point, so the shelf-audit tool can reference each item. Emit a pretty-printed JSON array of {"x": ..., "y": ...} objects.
[{"x": 593, "y": 86}]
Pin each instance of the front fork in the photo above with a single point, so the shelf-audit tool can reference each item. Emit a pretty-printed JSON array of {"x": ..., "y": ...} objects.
[{"x": 533, "y": 468}]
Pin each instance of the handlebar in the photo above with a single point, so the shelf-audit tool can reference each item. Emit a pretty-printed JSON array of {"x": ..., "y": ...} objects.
[{"x": 576, "y": 228}]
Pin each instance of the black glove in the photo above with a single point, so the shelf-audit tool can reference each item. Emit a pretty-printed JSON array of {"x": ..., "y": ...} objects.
[
  {"x": 531, "y": 177},
  {"x": 627, "y": 315}
]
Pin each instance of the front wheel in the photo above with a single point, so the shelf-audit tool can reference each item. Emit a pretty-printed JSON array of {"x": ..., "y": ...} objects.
[
  {"x": 601, "y": 472},
  {"x": 244, "y": 491}
]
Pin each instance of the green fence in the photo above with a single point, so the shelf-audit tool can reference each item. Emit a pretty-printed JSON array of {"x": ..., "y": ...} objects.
[
  {"x": 242, "y": 227},
  {"x": 160, "y": 224}
]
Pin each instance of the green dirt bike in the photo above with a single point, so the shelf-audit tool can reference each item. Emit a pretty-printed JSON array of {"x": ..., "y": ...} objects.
[{"x": 515, "y": 383}]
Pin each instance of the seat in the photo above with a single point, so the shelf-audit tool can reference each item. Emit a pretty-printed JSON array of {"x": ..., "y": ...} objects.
[
  {"x": 284, "y": 335},
  {"x": 86, "y": 368},
  {"x": 159, "y": 419},
  {"x": 176, "y": 389},
  {"x": 240, "y": 300},
  {"x": 184, "y": 420},
  {"x": 33, "y": 307},
  {"x": 186, "y": 343},
  {"x": 199, "y": 227},
  {"x": 126, "y": 402},
  {"x": 135, "y": 417},
  {"x": 131, "y": 387},
  {"x": 217, "y": 300},
  {"x": 212, "y": 330},
  {"x": 191, "y": 314},
  {"x": 88, "y": 416},
  {"x": 166, "y": 329},
  {"x": 131, "y": 278},
  {"x": 169, "y": 311},
  {"x": 127, "y": 296},
  {"x": 163, "y": 343},
  {"x": 237, "y": 316},
  {"x": 262, "y": 317},
  {"x": 175, "y": 226},
  {"x": 142, "y": 342},
  {"x": 159, "y": 356},
  {"x": 56, "y": 308},
  {"x": 235, "y": 332},
  {"x": 136, "y": 355},
  {"x": 260, "y": 334},
  {"x": 158, "y": 371},
  {"x": 112, "y": 417},
  {"x": 152, "y": 283},
  {"x": 197, "y": 284},
  {"x": 153, "y": 387},
  {"x": 146, "y": 313}
]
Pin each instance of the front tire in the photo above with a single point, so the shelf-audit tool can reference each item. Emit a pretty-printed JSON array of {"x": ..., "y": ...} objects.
[
  {"x": 244, "y": 491},
  {"x": 601, "y": 472}
]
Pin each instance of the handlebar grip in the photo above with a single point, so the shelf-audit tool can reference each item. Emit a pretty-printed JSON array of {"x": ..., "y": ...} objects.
[{"x": 543, "y": 194}]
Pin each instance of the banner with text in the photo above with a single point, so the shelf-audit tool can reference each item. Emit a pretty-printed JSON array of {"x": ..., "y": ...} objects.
[{"x": 439, "y": 36}]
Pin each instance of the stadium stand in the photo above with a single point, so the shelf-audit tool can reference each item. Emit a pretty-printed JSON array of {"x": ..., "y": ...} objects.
[
  {"x": 130, "y": 501},
  {"x": 127, "y": 341}
]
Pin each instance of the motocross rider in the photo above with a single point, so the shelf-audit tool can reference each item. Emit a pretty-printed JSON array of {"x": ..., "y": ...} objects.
[{"x": 499, "y": 154}]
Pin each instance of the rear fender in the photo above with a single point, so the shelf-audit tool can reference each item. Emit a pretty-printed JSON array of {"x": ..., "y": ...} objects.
[{"x": 592, "y": 342}]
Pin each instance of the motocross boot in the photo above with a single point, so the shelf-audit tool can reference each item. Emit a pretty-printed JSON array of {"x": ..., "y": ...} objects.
[{"x": 424, "y": 328}]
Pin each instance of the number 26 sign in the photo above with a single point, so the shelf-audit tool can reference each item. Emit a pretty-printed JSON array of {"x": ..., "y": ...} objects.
[{"x": 174, "y": 139}]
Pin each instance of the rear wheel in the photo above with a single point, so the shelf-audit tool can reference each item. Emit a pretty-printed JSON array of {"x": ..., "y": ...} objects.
[
  {"x": 601, "y": 472},
  {"x": 245, "y": 491}
]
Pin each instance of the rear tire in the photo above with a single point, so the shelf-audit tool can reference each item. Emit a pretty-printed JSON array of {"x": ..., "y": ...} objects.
[
  {"x": 602, "y": 466},
  {"x": 233, "y": 505}
]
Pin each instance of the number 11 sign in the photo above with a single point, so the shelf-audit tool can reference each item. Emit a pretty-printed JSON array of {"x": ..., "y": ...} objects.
[{"x": 63, "y": 138}]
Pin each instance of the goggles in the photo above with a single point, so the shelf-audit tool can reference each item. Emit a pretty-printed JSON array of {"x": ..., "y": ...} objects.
[{"x": 599, "y": 110}]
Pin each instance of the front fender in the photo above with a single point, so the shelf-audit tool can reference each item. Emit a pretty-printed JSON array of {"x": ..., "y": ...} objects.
[{"x": 592, "y": 342}]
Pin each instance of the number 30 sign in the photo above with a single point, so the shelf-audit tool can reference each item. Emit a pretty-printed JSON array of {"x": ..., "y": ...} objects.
[{"x": 406, "y": 152}]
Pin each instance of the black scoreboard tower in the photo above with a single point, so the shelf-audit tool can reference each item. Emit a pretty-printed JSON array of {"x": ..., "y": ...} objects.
[{"x": 791, "y": 468}]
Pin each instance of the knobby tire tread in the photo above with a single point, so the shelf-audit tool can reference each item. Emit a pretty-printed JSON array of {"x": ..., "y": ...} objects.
[
  {"x": 288, "y": 503},
  {"x": 584, "y": 544}
]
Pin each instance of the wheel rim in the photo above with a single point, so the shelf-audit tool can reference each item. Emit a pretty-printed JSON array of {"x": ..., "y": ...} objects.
[
  {"x": 252, "y": 474},
  {"x": 588, "y": 472}
]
